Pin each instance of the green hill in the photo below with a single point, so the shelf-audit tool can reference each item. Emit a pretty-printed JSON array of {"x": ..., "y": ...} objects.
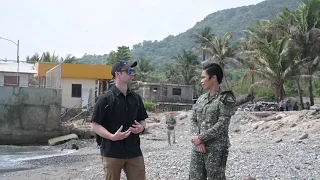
[
  {"x": 231, "y": 20},
  {"x": 93, "y": 59}
]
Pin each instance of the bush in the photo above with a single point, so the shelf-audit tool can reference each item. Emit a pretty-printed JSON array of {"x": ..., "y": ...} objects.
[{"x": 149, "y": 105}]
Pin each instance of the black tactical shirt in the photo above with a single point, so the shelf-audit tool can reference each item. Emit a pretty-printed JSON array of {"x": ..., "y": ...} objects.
[{"x": 125, "y": 110}]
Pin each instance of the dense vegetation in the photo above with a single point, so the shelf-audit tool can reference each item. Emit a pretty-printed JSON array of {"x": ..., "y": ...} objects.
[
  {"x": 231, "y": 20},
  {"x": 271, "y": 55}
]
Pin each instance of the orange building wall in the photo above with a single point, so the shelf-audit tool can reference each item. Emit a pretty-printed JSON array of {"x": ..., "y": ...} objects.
[
  {"x": 42, "y": 68},
  {"x": 83, "y": 71}
]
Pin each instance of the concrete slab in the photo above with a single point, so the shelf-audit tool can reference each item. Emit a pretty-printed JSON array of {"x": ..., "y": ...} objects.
[{"x": 62, "y": 139}]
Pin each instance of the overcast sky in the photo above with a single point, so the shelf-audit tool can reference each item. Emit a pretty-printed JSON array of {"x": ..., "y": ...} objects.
[{"x": 97, "y": 26}]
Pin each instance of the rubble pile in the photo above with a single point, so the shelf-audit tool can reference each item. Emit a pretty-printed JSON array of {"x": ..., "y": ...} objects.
[{"x": 287, "y": 123}]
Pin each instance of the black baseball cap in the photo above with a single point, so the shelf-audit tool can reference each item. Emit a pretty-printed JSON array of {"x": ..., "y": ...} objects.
[{"x": 122, "y": 64}]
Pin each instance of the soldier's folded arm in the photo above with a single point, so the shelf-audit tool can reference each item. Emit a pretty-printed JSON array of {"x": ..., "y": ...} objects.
[{"x": 226, "y": 110}]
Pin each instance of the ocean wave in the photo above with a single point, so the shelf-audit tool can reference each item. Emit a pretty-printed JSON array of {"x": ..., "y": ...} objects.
[{"x": 11, "y": 156}]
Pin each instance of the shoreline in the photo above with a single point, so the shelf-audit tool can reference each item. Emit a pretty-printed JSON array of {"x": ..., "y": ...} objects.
[
  {"x": 9, "y": 170},
  {"x": 271, "y": 149},
  {"x": 250, "y": 154},
  {"x": 36, "y": 162}
]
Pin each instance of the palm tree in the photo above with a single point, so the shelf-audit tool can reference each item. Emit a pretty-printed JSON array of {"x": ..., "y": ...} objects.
[
  {"x": 303, "y": 27},
  {"x": 47, "y": 57},
  {"x": 171, "y": 75},
  {"x": 275, "y": 64},
  {"x": 185, "y": 66},
  {"x": 219, "y": 50},
  {"x": 203, "y": 37},
  {"x": 261, "y": 32},
  {"x": 221, "y": 53},
  {"x": 34, "y": 58},
  {"x": 245, "y": 46},
  {"x": 69, "y": 59},
  {"x": 143, "y": 69}
]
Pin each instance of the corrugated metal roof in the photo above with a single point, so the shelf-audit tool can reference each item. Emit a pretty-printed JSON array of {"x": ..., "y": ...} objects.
[{"x": 13, "y": 67}]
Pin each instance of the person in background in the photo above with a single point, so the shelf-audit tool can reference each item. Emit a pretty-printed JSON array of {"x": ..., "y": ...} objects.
[
  {"x": 171, "y": 123},
  {"x": 210, "y": 124}
]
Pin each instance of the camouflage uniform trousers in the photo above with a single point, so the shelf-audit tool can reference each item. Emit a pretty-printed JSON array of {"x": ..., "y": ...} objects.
[
  {"x": 171, "y": 132},
  {"x": 210, "y": 165}
]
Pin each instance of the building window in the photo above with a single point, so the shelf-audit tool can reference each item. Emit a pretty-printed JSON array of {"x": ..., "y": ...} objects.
[
  {"x": 176, "y": 91},
  {"x": 11, "y": 80},
  {"x": 76, "y": 90},
  {"x": 155, "y": 90}
]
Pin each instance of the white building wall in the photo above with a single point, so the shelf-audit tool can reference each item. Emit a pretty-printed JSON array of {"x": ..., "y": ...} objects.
[
  {"x": 72, "y": 102},
  {"x": 24, "y": 78}
]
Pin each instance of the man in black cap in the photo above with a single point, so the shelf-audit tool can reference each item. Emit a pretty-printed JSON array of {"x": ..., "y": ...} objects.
[{"x": 120, "y": 146}]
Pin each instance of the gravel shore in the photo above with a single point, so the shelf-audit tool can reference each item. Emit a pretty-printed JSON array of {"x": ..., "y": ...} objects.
[{"x": 259, "y": 154}]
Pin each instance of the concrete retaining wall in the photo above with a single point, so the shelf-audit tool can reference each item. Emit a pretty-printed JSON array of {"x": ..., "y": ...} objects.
[{"x": 29, "y": 115}]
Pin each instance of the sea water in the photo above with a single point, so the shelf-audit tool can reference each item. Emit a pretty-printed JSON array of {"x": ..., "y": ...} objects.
[{"x": 14, "y": 157}]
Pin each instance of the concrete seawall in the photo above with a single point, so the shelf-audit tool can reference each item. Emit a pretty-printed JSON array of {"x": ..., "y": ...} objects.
[{"x": 29, "y": 115}]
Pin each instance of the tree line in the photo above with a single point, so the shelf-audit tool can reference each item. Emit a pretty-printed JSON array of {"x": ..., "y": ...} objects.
[
  {"x": 48, "y": 57},
  {"x": 273, "y": 58},
  {"x": 274, "y": 52}
]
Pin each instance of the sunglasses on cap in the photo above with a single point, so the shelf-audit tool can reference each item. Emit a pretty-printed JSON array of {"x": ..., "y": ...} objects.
[{"x": 129, "y": 71}]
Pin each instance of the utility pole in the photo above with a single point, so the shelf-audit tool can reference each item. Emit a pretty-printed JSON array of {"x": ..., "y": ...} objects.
[
  {"x": 18, "y": 78},
  {"x": 17, "y": 44}
]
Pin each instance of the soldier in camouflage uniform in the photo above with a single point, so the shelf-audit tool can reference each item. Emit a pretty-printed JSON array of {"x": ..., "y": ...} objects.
[
  {"x": 171, "y": 123},
  {"x": 210, "y": 124}
]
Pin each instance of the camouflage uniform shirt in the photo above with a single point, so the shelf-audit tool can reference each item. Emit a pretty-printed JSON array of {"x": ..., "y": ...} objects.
[{"x": 211, "y": 118}]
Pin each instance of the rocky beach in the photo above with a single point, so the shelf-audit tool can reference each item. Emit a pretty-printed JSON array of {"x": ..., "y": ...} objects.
[{"x": 264, "y": 145}]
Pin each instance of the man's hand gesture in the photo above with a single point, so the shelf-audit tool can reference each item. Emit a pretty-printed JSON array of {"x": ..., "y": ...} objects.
[
  {"x": 120, "y": 135},
  {"x": 137, "y": 128}
]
